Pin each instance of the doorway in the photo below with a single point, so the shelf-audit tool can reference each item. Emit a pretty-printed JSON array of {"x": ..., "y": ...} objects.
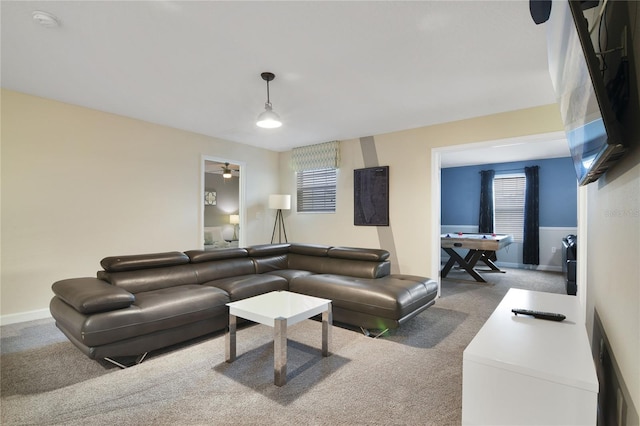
[
  {"x": 222, "y": 215},
  {"x": 493, "y": 151}
]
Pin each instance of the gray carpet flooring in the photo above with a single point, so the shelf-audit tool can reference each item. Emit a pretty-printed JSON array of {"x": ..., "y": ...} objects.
[{"x": 410, "y": 376}]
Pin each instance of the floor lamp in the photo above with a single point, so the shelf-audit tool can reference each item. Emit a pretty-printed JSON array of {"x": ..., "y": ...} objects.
[
  {"x": 234, "y": 219},
  {"x": 279, "y": 202}
]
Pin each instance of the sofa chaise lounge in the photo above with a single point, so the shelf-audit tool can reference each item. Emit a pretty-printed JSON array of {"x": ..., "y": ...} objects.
[{"x": 141, "y": 303}]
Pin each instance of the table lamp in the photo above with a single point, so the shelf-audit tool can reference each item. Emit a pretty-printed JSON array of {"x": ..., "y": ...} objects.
[
  {"x": 234, "y": 219},
  {"x": 279, "y": 202}
]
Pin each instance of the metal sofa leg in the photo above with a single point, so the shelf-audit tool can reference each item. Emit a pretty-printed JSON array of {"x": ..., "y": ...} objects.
[
  {"x": 367, "y": 333},
  {"x": 116, "y": 363}
]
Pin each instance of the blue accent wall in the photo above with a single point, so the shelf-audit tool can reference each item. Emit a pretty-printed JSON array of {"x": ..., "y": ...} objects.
[{"x": 460, "y": 189}]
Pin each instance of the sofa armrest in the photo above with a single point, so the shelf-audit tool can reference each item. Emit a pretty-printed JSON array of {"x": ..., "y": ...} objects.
[{"x": 91, "y": 295}]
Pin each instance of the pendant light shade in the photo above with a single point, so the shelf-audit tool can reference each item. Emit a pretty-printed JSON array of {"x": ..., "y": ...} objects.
[{"x": 268, "y": 119}]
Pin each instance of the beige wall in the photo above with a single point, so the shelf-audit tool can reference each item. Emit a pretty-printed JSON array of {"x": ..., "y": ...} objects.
[
  {"x": 613, "y": 219},
  {"x": 408, "y": 155},
  {"x": 79, "y": 185}
]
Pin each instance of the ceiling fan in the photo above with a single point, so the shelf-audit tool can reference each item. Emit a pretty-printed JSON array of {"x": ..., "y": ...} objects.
[{"x": 227, "y": 173}]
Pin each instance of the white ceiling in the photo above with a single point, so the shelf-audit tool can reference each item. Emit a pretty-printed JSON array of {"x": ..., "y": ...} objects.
[
  {"x": 343, "y": 69},
  {"x": 550, "y": 145}
]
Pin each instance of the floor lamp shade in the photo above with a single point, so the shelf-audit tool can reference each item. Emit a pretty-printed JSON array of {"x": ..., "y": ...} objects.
[{"x": 280, "y": 201}]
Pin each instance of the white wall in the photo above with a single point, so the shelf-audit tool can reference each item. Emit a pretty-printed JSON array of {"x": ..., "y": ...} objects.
[
  {"x": 79, "y": 185},
  {"x": 613, "y": 264},
  {"x": 613, "y": 246}
]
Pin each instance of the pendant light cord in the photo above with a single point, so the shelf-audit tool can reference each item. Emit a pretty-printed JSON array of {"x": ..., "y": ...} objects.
[{"x": 268, "y": 100}]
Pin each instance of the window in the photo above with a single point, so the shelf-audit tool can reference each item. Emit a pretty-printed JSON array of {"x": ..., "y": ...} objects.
[
  {"x": 316, "y": 190},
  {"x": 508, "y": 204}
]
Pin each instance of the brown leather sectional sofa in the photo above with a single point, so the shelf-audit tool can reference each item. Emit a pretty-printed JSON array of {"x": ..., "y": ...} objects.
[{"x": 145, "y": 302}]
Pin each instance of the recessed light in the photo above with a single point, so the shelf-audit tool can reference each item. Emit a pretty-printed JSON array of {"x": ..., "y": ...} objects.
[{"x": 45, "y": 19}]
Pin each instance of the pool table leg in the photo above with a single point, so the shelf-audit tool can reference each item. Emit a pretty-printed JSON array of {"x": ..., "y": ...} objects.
[
  {"x": 449, "y": 264},
  {"x": 466, "y": 265},
  {"x": 486, "y": 259}
]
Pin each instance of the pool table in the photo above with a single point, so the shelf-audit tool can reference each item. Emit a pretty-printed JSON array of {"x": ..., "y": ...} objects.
[{"x": 482, "y": 247}]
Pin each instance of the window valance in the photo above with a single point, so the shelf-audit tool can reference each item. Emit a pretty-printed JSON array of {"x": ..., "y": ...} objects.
[{"x": 313, "y": 157}]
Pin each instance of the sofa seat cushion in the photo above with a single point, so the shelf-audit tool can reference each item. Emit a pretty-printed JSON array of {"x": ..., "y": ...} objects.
[
  {"x": 244, "y": 286},
  {"x": 152, "y": 311},
  {"x": 393, "y": 296}
]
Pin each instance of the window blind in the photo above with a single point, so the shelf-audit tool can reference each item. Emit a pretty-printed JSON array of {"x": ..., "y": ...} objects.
[
  {"x": 508, "y": 195},
  {"x": 316, "y": 190}
]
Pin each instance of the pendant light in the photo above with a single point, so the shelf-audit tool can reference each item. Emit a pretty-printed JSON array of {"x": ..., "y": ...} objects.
[{"x": 268, "y": 119}]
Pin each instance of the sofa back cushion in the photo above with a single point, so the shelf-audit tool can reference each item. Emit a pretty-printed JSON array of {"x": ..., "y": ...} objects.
[
  {"x": 217, "y": 264},
  {"x": 269, "y": 257},
  {"x": 356, "y": 268},
  {"x": 310, "y": 249},
  {"x": 145, "y": 272},
  {"x": 305, "y": 263},
  {"x": 217, "y": 269},
  {"x": 268, "y": 249},
  {"x": 358, "y": 262},
  {"x": 271, "y": 263},
  {"x": 373, "y": 255},
  {"x": 200, "y": 256},
  {"x": 143, "y": 261},
  {"x": 354, "y": 262},
  {"x": 151, "y": 279}
]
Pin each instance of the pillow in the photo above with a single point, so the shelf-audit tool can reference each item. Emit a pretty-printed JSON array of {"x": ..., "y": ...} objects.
[
  {"x": 208, "y": 238},
  {"x": 213, "y": 235}
]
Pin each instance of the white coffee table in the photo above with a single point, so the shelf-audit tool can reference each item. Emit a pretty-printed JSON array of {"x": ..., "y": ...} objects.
[{"x": 279, "y": 309}]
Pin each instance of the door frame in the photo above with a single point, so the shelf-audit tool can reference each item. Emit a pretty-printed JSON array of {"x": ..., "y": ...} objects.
[{"x": 436, "y": 162}]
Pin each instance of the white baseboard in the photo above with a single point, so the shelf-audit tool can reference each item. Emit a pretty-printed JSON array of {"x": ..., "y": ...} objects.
[
  {"x": 25, "y": 316},
  {"x": 549, "y": 268},
  {"x": 508, "y": 265}
]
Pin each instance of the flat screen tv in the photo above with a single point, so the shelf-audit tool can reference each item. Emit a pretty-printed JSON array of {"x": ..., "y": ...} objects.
[{"x": 592, "y": 88}]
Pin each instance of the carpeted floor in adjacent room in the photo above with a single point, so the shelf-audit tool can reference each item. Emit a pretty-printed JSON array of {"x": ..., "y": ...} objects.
[{"x": 410, "y": 376}]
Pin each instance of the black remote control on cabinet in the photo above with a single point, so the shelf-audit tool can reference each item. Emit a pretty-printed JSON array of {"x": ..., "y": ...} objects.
[{"x": 551, "y": 316}]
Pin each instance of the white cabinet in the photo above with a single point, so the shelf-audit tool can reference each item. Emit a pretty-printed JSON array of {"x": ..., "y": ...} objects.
[{"x": 519, "y": 370}]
